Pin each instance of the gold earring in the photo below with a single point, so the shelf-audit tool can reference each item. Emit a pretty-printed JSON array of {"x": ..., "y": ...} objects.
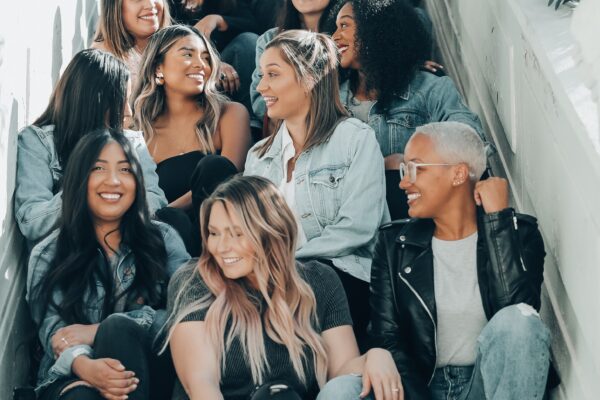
[{"x": 159, "y": 79}]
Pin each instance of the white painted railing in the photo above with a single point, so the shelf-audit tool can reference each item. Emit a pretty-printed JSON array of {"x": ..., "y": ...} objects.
[{"x": 522, "y": 70}]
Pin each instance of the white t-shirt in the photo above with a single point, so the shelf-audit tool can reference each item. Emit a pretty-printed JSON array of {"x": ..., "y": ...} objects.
[
  {"x": 288, "y": 189},
  {"x": 460, "y": 313}
]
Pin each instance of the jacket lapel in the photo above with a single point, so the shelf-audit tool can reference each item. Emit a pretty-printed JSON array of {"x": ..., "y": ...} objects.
[{"x": 416, "y": 266}]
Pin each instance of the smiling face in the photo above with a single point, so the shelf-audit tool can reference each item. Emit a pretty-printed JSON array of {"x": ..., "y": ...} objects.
[
  {"x": 286, "y": 98},
  {"x": 111, "y": 186},
  {"x": 142, "y": 17},
  {"x": 186, "y": 66},
  {"x": 345, "y": 37},
  {"x": 229, "y": 245},
  {"x": 429, "y": 195}
]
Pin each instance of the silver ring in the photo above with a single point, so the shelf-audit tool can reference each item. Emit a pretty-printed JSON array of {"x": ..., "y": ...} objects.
[
  {"x": 395, "y": 390},
  {"x": 64, "y": 340}
]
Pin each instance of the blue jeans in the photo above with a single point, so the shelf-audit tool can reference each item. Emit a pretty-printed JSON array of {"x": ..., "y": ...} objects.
[
  {"x": 345, "y": 387},
  {"x": 512, "y": 361}
]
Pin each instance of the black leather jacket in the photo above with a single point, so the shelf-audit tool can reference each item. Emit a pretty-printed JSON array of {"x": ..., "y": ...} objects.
[{"x": 510, "y": 262}]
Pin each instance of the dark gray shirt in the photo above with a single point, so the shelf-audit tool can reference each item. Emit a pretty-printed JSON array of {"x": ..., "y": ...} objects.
[{"x": 236, "y": 377}]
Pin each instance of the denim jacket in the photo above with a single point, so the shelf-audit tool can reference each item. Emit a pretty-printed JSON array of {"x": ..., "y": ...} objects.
[
  {"x": 429, "y": 98},
  {"x": 340, "y": 194},
  {"x": 48, "y": 320},
  {"x": 38, "y": 192},
  {"x": 258, "y": 103}
]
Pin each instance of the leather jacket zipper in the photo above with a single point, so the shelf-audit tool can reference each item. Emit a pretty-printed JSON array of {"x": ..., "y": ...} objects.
[{"x": 432, "y": 321}]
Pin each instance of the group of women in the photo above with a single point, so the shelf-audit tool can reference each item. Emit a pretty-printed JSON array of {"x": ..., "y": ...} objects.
[{"x": 291, "y": 268}]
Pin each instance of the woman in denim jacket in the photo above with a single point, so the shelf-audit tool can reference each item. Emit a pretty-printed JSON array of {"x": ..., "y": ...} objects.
[
  {"x": 96, "y": 329},
  {"x": 385, "y": 87},
  {"x": 329, "y": 167},
  {"x": 314, "y": 16},
  {"x": 91, "y": 94}
]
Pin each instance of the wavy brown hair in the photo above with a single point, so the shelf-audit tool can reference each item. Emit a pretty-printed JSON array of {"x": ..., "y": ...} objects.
[
  {"x": 290, "y": 316},
  {"x": 150, "y": 98}
]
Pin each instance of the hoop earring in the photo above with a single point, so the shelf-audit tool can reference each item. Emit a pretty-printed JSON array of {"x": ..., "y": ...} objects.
[{"x": 159, "y": 79}]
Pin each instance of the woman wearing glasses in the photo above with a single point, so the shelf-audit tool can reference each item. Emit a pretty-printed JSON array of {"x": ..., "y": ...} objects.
[{"x": 455, "y": 290}]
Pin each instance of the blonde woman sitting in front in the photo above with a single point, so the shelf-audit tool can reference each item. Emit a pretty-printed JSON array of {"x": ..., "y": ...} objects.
[{"x": 248, "y": 321}]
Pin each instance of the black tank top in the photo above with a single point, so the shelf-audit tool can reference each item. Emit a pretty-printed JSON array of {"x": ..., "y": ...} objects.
[{"x": 174, "y": 173}]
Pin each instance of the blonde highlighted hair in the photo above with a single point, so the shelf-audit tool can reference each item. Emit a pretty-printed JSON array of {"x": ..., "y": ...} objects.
[
  {"x": 150, "y": 98},
  {"x": 290, "y": 317},
  {"x": 314, "y": 57},
  {"x": 111, "y": 29}
]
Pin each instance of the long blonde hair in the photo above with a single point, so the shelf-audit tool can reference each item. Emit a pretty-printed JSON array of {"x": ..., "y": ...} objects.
[
  {"x": 111, "y": 29},
  {"x": 290, "y": 317},
  {"x": 149, "y": 97},
  {"x": 314, "y": 57}
]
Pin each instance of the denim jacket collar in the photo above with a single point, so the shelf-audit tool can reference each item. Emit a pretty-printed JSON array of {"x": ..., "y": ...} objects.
[{"x": 346, "y": 94}]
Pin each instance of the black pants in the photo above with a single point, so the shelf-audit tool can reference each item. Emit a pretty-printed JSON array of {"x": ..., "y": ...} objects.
[
  {"x": 121, "y": 338},
  {"x": 210, "y": 172},
  {"x": 395, "y": 197},
  {"x": 357, "y": 293}
]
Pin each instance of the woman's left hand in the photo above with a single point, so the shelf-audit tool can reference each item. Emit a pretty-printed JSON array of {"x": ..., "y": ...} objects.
[
  {"x": 381, "y": 376},
  {"x": 230, "y": 80},
  {"x": 73, "y": 335},
  {"x": 208, "y": 24}
]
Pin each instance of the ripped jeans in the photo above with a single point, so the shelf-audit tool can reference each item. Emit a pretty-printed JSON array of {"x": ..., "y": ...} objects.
[{"x": 512, "y": 362}]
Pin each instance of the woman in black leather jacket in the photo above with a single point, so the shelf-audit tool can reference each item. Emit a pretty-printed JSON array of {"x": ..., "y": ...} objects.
[{"x": 455, "y": 289}]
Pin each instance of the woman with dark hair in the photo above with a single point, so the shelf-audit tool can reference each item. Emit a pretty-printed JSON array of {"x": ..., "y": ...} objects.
[
  {"x": 96, "y": 330},
  {"x": 248, "y": 315},
  {"x": 328, "y": 166},
  {"x": 383, "y": 45},
  {"x": 187, "y": 123},
  {"x": 91, "y": 94},
  {"x": 312, "y": 15},
  {"x": 232, "y": 28}
]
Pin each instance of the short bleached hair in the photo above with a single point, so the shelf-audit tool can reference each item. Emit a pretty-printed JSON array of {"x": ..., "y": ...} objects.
[{"x": 457, "y": 143}]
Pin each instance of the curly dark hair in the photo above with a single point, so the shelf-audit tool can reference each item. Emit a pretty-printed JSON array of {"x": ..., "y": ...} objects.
[{"x": 392, "y": 43}]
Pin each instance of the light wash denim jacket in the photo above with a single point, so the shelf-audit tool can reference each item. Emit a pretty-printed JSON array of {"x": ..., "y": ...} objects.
[
  {"x": 258, "y": 104},
  {"x": 340, "y": 195},
  {"x": 38, "y": 195},
  {"x": 429, "y": 98},
  {"x": 47, "y": 319}
]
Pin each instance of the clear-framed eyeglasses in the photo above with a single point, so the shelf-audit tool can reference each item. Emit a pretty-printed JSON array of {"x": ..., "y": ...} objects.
[{"x": 410, "y": 169}]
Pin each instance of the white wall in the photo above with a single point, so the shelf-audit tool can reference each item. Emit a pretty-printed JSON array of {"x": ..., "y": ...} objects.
[
  {"x": 521, "y": 70},
  {"x": 37, "y": 40}
]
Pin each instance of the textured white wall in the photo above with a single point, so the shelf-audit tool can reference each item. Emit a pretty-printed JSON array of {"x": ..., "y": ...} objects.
[
  {"x": 521, "y": 69},
  {"x": 37, "y": 40}
]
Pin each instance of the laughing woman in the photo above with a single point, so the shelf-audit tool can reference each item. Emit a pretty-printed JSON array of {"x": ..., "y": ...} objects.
[
  {"x": 125, "y": 27},
  {"x": 96, "y": 330},
  {"x": 185, "y": 119},
  {"x": 248, "y": 315},
  {"x": 328, "y": 166},
  {"x": 385, "y": 87}
]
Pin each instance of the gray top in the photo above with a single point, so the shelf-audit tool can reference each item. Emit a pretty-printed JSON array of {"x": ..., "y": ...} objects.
[
  {"x": 360, "y": 108},
  {"x": 460, "y": 314}
]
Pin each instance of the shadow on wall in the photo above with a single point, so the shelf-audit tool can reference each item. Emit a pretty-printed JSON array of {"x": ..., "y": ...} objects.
[{"x": 56, "y": 47}]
